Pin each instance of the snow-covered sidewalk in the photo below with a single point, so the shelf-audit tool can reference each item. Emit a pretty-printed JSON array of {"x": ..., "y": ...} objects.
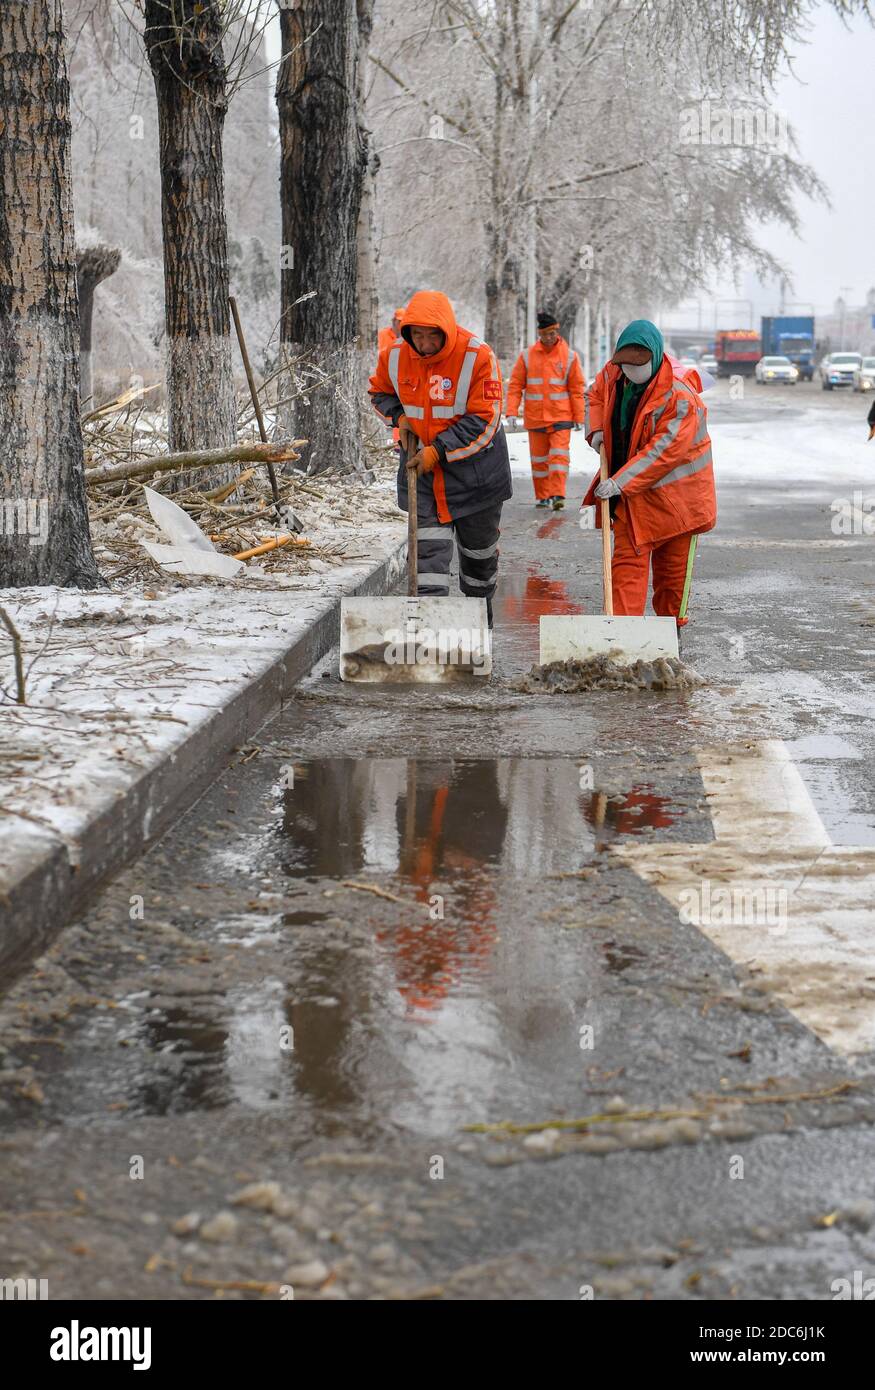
[{"x": 135, "y": 695}]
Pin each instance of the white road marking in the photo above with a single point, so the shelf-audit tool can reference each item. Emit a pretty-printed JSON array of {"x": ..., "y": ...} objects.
[{"x": 772, "y": 850}]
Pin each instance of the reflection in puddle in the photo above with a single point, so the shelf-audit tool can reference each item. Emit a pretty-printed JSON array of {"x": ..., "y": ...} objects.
[
  {"x": 463, "y": 827},
  {"x": 408, "y": 1005},
  {"x": 519, "y": 603},
  {"x": 418, "y": 820},
  {"x": 550, "y": 528},
  {"x": 524, "y": 600}
]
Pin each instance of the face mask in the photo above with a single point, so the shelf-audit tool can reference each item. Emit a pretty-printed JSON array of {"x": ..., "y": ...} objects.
[{"x": 638, "y": 375}]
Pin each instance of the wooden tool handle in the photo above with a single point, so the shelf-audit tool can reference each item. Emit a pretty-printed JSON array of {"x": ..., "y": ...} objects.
[
  {"x": 256, "y": 404},
  {"x": 412, "y": 480},
  {"x": 607, "y": 583}
]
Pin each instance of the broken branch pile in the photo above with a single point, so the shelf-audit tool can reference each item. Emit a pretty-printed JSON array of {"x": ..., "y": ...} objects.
[{"x": 126, "y": 450}]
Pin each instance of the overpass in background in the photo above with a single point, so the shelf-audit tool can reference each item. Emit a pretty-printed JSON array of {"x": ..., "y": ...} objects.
[{"x": 681, "y": 341}]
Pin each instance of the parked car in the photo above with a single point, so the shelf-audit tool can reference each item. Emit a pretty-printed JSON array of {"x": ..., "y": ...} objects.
[
  {"x": 776, "y": 369},
  {"x": 838, "y": 369},
  {"x": 864, "y": 376},
  {"x": 709, "y": 362}
]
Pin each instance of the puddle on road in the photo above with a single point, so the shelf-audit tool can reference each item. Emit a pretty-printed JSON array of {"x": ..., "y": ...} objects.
[
  {"x": 520, "y": 600},
  {"x": 553, "y": 528},
  {"x": 407, "y": 1006},
  {"x": 414, "y": 819}
]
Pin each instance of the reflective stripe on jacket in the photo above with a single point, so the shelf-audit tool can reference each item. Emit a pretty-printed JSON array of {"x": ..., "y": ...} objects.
[
  {"x": 667, "y": 482},
  {"x": 553, "y": 384}
]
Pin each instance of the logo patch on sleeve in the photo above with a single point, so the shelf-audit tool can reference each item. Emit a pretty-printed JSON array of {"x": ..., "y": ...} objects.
[{"x": 492, "y": 390}]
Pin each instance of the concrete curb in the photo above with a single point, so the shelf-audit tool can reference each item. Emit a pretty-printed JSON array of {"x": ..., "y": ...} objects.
[{"x": 48, "y": 890}]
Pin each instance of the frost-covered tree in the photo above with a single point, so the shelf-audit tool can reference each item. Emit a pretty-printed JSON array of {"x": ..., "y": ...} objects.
[
  {"x": 117, "y": 181},
  {"x": 94, "y": 264},
  {"x": 494, "y": 119}
]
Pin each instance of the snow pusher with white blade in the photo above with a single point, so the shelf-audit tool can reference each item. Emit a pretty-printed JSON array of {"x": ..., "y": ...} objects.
[
  {"x": 424, "y": 639},
  {"x": 580, "y": 635}
]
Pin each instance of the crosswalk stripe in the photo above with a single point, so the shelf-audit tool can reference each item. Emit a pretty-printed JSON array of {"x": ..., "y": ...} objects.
[{"x": 811, "y": 945}]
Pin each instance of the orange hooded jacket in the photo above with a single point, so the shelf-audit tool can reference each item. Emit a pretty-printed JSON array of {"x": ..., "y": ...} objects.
[
  {"x": 553, "y": 383},
  {"x": 667, "y": 482},
  {"x": 452, "y": 400}
]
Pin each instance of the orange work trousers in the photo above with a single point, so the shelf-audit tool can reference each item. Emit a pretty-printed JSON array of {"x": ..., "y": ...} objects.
[
  {"x": 549, "y": 450},
  {"x": 672, "y": 564}
]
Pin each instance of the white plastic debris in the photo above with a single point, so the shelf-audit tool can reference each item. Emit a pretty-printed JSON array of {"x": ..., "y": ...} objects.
[{"x": 190, "y": 551}]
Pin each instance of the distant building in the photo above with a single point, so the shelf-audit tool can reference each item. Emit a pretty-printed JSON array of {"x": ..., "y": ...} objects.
[{"x": 849, "y": 327}]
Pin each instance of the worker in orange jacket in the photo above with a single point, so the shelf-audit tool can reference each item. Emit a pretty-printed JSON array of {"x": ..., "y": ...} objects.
[
  {"x": 550, "y": 374},
  {"x": 387, "y": 336},
  {"x": 442, "y": 387},
  {"x": 653, "y": 425}
]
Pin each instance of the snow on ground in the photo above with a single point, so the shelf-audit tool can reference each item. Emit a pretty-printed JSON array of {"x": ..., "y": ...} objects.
[
  {"x": 815, "y": 445},
  {"x": 118, "y": 678}
]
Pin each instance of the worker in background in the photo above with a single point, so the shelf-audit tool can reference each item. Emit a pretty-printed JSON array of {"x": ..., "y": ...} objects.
[
  {"x": 388, "y": 335},
  {"x": 550, "y": 374},
  {"x": 651, "y": 420},
  {"x": 441, "y": 386},
  {"x": 385, "y": 338}
]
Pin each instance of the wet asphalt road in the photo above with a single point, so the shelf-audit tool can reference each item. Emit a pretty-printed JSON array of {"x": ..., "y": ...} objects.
[{"x": 397, "y": 914}]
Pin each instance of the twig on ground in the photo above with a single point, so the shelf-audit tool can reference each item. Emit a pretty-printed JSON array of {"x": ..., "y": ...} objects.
[{"x": 15, "y": 635}]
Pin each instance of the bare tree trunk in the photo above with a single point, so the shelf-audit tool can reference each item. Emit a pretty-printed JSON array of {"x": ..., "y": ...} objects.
[
  {"x": 503, "y": 275},
  {"x": 44, "y": 533},
  {"x": 93, "y": 266},
  {"x": 502, "y": 298},
  {"x": 184, "y": 44},
  {"x": 368, "y": 298},
  {"x": 323, "y": 161}
]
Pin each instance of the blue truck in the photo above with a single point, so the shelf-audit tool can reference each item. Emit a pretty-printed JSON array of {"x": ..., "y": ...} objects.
[{"x": 791, "y": 337}]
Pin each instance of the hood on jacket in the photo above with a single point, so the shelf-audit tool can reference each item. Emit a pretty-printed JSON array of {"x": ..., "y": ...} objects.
[
  {"x": 643, "y": 333},
  {"x": 431, "y": 309},
  {"x": 699, "y": 379}
]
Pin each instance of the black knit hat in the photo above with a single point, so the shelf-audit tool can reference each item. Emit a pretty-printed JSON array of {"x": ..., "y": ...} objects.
[{"x": 547, "y": 319}]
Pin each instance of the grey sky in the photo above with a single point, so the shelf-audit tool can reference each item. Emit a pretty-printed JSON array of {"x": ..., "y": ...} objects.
[
  {"x": 832, "y": 111},
  {"x": 834, "y": 116}
]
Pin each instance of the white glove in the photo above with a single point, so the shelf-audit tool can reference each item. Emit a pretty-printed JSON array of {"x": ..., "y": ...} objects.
[
  {"x": 596, "y": 441},
  {"x": 609, "y": 488}
]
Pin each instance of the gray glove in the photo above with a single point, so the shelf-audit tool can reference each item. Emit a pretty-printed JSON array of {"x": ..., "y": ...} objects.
[
  {"x": 513, "y": 421},
  {"x": 609, "y": 488},
  {"x": 596, "y": 441}
]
